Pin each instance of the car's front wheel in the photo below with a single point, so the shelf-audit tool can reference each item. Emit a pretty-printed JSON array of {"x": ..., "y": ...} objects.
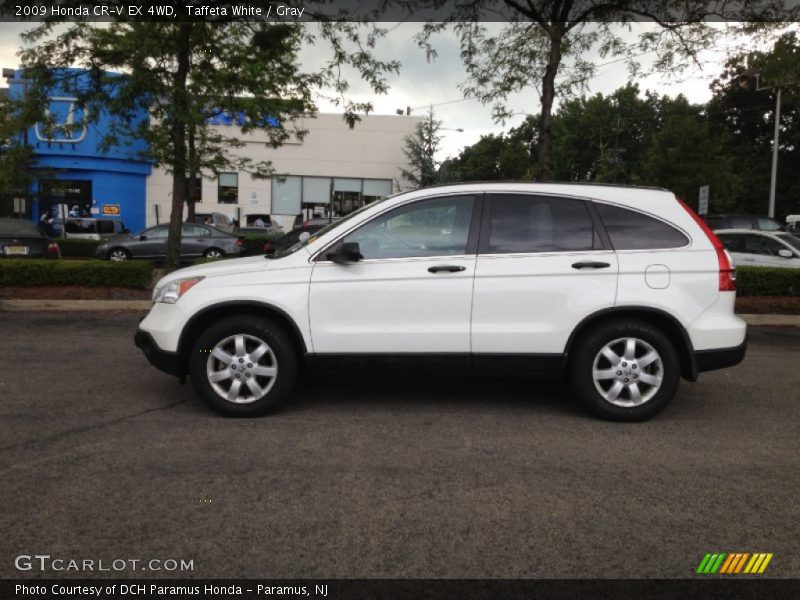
[
  {"x": 243, "y": 366},
  {"x": 625, "y": 371},
  {"x": 118, "y": 254}
]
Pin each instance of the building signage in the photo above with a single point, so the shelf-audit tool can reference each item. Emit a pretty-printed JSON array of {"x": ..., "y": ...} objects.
[
  {"x": 60, "y": 117},
  {"x": 702, "y": 203},
  {"x": 111, "y": 209},
  {"x": 225, "y": 117}
]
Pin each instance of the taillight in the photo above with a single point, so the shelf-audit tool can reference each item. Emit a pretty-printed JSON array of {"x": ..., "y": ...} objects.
[
  {"x": 52, "y": 248},
  {"x": 239, "y": 242},
  {"x": 727, "y": 270},
  {"x": 266, "y": 248}
]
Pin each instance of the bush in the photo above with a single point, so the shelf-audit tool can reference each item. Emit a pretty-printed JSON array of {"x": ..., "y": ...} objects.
[
  {"x": 77, "y": 248},
  {"x": 90, "y": 273},
  {"x": 254, "y": 243},
  {"x": 767, "y": 281}
]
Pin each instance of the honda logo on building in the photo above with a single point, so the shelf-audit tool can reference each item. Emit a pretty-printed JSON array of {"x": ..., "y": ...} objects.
[{"x": 60, "y": 122}]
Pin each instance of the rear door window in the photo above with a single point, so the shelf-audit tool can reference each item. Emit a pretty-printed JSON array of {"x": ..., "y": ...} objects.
[
  {"x": 190, "y": 230},
  {"x": 631, "y": 230},
  {"x": 521, "y": 223}
]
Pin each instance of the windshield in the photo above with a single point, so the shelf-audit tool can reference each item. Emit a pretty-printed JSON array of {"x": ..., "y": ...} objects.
[
  {"x": 790, "y": 239},
  {"x": 295, "y": 247}
]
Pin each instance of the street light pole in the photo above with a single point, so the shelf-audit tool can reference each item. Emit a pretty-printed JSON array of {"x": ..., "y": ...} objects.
[
  {"x": 775, "y": 140},
  {"x": 752, "y": 80}
]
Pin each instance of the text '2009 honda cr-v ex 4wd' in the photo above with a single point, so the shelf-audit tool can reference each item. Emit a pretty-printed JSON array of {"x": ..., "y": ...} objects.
[{"x": 623, "y": 290}]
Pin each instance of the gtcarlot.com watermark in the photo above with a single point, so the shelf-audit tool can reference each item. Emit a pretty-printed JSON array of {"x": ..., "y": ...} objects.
[{"x": 45, "y": 562}]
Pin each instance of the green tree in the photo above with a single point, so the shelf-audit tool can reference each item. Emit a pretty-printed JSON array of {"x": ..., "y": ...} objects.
[
  {"x": 18, "y": 169},
  {"x": 687, "y": 152},
  {"x": 492, "y": 158},
  {"x": 420, "y": 149},
  {"x": 749, "y": 119},
  {"x": 184, "y": 73},
  {"x": 551, "y": 45},
  {"x": 602, "y": 138}
]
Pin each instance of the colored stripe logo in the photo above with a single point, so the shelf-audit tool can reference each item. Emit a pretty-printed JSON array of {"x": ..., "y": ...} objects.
[{"x": 734, "y": 563}]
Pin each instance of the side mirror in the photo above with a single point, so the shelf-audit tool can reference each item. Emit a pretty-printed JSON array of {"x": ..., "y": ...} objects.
[
  {"x": 347, "y": 253},
  {"x": 785, "y": 253},
  {"x": 142, "y": 237}
]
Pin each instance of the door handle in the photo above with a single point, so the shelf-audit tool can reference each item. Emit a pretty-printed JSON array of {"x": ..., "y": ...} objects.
[
  {"x": 590, "y": 264},
  {"x": 447, "y": 268}
]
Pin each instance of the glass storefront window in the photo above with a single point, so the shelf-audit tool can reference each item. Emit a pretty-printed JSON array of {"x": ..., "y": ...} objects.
[{"x": 228, "y": 188}]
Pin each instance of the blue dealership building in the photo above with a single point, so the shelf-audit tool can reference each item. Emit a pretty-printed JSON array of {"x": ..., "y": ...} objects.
[{"x": 77, "y": 172}]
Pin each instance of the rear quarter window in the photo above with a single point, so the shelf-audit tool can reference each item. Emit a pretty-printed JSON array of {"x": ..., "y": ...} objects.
[{"x": 631, "y": 230}]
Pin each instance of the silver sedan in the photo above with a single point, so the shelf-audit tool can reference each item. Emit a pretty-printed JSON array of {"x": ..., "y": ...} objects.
[{"x": 196, "y": 241}]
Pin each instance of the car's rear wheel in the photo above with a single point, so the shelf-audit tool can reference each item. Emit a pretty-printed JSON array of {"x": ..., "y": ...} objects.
[
  {"x": 213, "y": 253},
  {"x": 625, "y": 370},
  {"x": 243, "y": 366},
  {"x": 118, "y": 254}
]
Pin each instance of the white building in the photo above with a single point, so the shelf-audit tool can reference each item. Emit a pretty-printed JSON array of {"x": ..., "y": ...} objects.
[{"x": 333, "y": 165}]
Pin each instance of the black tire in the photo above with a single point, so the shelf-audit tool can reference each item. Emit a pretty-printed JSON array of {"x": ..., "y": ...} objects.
[
  {"x": 216, "y": 251},
  {"x": 119, "y": 254},
  {"x": 624, "y": 406},
  {"x": 282, "y": 356}
]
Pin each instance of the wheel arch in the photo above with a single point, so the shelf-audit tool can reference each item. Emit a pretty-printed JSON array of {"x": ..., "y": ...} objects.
[
  {"x": 206, "y": 317},
  {"x": 664, "y": 321}
]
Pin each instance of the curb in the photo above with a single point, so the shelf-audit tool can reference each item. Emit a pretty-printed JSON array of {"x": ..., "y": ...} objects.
[
  {"x": 73, "y": 305},
  {"x": 772, "y": 320},
  {"x": 143, "y": 305}
]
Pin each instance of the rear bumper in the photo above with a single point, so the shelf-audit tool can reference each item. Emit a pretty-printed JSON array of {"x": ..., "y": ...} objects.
[
  {"x": 169, "y": 362},
  {"x": 710, "y": 360}
]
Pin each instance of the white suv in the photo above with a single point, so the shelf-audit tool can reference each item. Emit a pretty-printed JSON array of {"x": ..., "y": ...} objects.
[{"x": 623, "y": 290}]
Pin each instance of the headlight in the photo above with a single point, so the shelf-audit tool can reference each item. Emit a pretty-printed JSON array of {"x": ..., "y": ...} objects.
[{"x": 170, "y": 292}]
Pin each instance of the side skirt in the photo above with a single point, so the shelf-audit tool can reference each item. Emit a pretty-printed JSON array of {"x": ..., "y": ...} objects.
[{"x": 545, "y": 365}]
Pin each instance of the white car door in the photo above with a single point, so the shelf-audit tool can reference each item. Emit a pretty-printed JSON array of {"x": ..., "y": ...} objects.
[
  {"x": 411, "y": 293},
  {"x": 542, "y": 267}
]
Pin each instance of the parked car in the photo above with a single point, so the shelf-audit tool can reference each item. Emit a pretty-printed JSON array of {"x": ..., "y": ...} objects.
[
  {"x": 196, "y": 241},
  {"x": 290, "y": 239},
  {"x": 89, "y": 228},
  {"x": 793, "y": 224},
  {"x": 621, "y": 290},
  {"x": 761, "y": 248},
  {"x": 759, "y": 222},
  {"x": 19, "y": 238}
]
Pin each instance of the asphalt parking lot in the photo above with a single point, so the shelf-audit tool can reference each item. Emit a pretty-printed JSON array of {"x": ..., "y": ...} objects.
[{"x": 388, "y": 476}]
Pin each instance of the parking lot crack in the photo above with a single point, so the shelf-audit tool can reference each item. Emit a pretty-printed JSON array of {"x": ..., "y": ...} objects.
[{"x": 63, "y": 434}]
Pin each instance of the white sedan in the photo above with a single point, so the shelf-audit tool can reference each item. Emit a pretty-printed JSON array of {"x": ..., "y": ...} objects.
[{"x": 749, "y": 247}]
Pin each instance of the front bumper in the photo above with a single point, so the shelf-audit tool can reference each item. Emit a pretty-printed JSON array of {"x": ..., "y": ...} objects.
[
  {"x": 169, "y": 362},
  {"x": 710, "y": 360}
]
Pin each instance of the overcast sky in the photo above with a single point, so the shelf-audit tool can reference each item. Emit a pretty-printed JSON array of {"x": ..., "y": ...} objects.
[{"x": 420, "y": 84}]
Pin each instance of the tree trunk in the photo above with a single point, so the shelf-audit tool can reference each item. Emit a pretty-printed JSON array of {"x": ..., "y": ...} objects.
[
  {"x": 548, "y": 96},
  {"x": 191, "y": 191},
  {"x": 180, "y": 104}
]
